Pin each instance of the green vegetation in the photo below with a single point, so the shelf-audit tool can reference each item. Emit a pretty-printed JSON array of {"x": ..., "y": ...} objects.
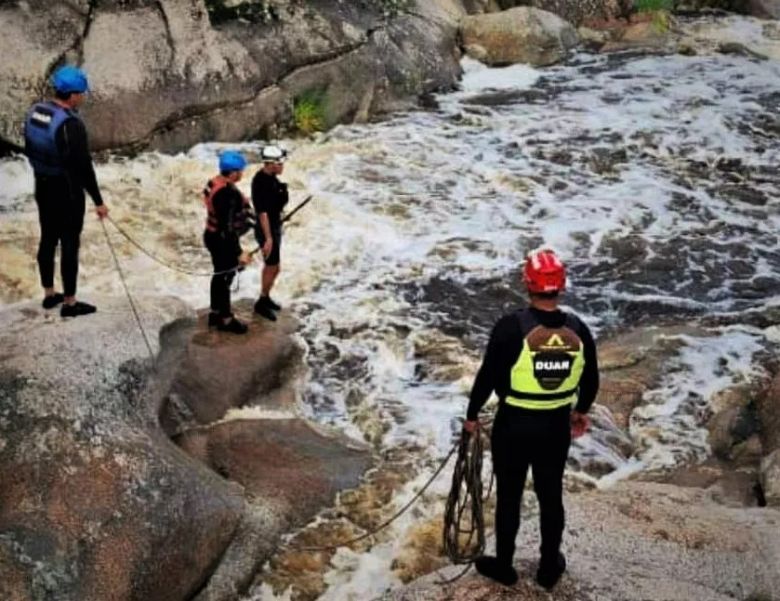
[
  {"x": 660, "y": 10},
  {"x": 646, "y": 6},
  {"x": 309, "y": 112},
  {"x": 252, "y": 11},
  {"x": 662, "y": 21}
]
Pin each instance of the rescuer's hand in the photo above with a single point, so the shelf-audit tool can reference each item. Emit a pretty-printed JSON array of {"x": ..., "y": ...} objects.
[
  {"x": 267, "y": 247},
  {"x": 102, "y": 211},
  {"x": 580, "y": 423},
  {"x": 471, "y": 426},
  {"x": 244, "y": 258}
]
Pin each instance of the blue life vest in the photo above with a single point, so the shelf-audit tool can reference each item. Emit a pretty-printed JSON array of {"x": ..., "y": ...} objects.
[{"x": 40, "y": 137}]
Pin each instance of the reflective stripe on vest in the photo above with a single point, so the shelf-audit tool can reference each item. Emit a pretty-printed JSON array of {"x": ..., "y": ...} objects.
[
  {"x": 209, "y": 192},
  {"x": 40, "y": 137},
  {"x": 548, "y": 371}
]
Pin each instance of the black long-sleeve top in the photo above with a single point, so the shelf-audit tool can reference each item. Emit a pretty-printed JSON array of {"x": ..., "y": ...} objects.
[
  {"x": 503, "y": 351},
  {"x": 229, "y": 208},
  {"x": 71, "y": 139}
]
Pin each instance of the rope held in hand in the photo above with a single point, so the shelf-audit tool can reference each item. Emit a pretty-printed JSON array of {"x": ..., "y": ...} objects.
[
  {"x": 463, "y": 536},
  {"x": 158, "y": 260}
]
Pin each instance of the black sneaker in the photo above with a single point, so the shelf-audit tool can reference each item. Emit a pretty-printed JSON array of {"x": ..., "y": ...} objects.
[
  {"x": 49, "y": 302},
  {"x": 490, "y": 567},
  {"x": 214, "y": 319},
  {"x": 262, "y": 308},
  {"x": 233, "y": 326},
  {"x": 548, "y": 575},
  {"x": 272, "y": 303},
  {"x": 76, "y": 309}
]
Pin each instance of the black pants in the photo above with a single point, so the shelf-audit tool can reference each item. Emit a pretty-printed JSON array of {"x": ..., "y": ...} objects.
[
  {"x": 224, "y": 256},
  {"x": 61, "y": 215},
  {"x": 539, "y": 439}
]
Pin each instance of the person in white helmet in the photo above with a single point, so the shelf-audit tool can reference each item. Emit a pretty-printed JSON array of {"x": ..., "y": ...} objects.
[{"x": 269, "y": 197}]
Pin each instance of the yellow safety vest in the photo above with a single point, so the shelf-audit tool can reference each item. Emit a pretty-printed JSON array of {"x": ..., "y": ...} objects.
[{"x": 548, "y": 371}]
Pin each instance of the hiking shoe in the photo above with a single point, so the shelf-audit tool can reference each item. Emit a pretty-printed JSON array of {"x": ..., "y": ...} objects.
[
  {"x": 76, "y": 309},
  {"x": 233, "y": 326},
  {"x": 269, "y": 302},
  {"x": 548, "y": 575},
  {"x": 214, "y": 319},
  {"x": 49, "y": 302},
  {"x": 491, "y": 568},
  {"x": 262, "y": 308}
]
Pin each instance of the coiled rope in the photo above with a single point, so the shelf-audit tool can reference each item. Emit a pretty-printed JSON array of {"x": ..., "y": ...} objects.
[{"x": 463, "y": 536}]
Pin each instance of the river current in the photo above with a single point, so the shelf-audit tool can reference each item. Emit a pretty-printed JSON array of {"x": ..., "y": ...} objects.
[{"x": 655, "y": 178}]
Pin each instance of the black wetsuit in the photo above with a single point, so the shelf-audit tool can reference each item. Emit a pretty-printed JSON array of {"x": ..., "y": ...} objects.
[
  {"x": 524, "y": 437},
  {"x": 269, "y": 196},
  {"x": 61, "y": 204},
  {"x": 224, "y": 246}
]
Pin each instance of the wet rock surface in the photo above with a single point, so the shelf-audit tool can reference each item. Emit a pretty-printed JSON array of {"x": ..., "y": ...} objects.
[
  {"x": 216, "y": 372},
  {"x": 98, "y": 503},
  {"x": 285, "y": 464},
  {"x": 663, "y": 543}
]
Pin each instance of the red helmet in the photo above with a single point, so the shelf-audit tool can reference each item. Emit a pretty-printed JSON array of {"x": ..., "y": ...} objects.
[{"x": 543, "y": 272}]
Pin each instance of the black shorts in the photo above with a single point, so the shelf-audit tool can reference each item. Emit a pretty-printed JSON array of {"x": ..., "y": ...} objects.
[{"x": 272, "y": 260}]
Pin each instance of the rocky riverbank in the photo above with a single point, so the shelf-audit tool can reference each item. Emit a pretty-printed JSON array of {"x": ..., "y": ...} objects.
[
  {"x": 167, "y": 75},
  {"x": 99, "y": 503}
]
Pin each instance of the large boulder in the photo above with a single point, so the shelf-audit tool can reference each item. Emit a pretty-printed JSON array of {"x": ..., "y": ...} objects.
[
  {"x": 98, "y": 502},
  {"x": 94, "y": 504},
  {"x": 519, "y": 35},
  {"x": 212, "y": 374},
  {"x": 171, "y": 74},
  {"x": 33, "y": 36}
]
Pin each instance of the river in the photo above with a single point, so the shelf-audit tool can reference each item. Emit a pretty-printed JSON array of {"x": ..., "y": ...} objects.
[{"x": 654, "y": 177}]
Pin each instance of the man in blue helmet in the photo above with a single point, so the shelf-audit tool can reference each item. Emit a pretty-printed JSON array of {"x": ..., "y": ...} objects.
[
  {"x": 228, "y": 217},
  {"x": 56, "y": 145}
]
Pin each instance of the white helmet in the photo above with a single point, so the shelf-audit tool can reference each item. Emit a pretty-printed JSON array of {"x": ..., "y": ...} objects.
[{"x": 273, "y": 154}]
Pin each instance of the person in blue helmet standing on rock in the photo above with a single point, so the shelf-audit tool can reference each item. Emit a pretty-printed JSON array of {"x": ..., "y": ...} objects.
[
  {"x": 57, "y": 147},
  {"x": 228, "y": 217}
]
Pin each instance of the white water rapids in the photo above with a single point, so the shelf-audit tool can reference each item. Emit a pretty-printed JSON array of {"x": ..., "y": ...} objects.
[{"x": 655, "y": 177}]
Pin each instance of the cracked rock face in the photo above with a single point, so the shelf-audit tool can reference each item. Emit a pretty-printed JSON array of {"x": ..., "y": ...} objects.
[{"x": 163, "y": 76}]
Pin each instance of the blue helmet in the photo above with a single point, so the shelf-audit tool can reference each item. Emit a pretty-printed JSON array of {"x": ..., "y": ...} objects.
[
  {"x": 232, "y": 160},
  {"x": 69, "y": 79}
]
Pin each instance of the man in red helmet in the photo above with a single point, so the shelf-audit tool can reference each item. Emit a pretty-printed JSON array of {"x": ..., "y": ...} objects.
[{"x": 541, "y": 362}]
